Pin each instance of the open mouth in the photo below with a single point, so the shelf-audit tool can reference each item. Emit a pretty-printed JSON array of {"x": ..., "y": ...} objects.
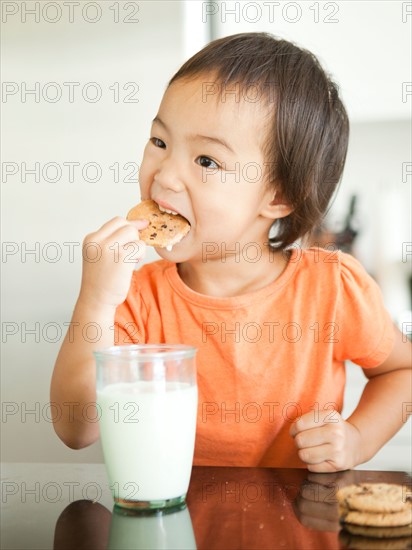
[
  {"x": 166, "y": 228},
  {"x": 167, "y": 210},
  {"x": 170, "y": 211}
]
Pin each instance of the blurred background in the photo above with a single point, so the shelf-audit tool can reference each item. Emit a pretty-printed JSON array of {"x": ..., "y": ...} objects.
[{"x": 81, "y": 84}]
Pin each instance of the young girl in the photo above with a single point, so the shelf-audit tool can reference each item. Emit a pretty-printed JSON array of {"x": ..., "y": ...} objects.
[{"x": 249, "y": 143}]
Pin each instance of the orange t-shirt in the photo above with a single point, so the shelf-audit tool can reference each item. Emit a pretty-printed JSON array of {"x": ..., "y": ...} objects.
[{"x": 266, "y": 357}]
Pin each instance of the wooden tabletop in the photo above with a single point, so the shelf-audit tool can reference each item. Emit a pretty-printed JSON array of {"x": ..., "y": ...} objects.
[{"x": 69, "y": 506}]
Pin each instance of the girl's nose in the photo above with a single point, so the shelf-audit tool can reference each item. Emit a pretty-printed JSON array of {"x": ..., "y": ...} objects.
[{"x": 169, "y": 176}]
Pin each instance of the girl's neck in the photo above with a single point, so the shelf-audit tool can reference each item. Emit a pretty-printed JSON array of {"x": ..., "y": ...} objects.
[{"x": 233, "y": 275}]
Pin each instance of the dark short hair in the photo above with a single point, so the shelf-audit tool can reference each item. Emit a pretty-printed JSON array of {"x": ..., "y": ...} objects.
[{"x": 308, "y": 138}]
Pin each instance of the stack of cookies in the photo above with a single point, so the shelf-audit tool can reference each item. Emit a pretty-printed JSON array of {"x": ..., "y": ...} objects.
[{"x": 376, "y": 515}]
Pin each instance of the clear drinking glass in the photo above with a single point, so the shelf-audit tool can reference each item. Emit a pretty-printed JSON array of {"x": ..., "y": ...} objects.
[{"x": 146, "y": 396}]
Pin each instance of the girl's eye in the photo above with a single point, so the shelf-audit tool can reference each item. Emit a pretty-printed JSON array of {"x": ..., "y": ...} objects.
[
  {"x": 158, "y": 142},
  {"x": 206, "y": 162}
]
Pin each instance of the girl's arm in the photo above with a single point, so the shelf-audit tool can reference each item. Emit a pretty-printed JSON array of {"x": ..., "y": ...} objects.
[
  {"x": 105, "y": 284},
  {"x": 333, "y": 444},
  {"x": 386, "y": 401},
  {"x": 73, "y": 392}
]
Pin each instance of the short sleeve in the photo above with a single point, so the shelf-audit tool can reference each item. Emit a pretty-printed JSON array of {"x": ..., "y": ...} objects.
[
  {"x": 366, "y": 330},
  {"x": 129, "y": 323}
]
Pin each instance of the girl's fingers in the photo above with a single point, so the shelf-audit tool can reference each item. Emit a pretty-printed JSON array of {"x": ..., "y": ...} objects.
[
  {"x": 316, "y": 455},
  {"x": 311, "y": 420},
  {"x": 115, "y": 224},
  {"x": 322, "y": 467},
  {"x": 312, "y": 437}
]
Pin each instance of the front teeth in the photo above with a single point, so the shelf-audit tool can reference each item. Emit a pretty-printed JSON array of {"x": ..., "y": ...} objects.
[{"x": 167, "y": 211}]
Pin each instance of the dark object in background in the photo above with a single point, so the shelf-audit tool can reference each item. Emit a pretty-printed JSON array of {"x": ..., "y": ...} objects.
[
  {"x": 342, "y": 240},
  {"x": 345, "y": 238}
]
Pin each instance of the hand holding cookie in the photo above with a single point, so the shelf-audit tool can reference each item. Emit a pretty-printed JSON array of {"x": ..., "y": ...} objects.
[
  {"x": 109, "y": 258},
  {"x": 326, "y": 442}
]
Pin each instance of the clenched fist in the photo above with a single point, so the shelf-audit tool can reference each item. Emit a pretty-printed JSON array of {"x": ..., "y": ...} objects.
[{"x": 326, "y": 442}]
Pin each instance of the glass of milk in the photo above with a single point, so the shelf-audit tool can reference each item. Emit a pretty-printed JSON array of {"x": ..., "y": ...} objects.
[{"x": 146, "y": 397}]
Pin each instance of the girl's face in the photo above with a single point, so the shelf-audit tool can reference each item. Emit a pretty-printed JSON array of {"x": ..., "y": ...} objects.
[{"x": 204, "y": 160}]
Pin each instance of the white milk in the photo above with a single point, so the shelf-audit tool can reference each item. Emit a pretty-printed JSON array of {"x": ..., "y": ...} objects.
[{"x": 147, "y": 431}]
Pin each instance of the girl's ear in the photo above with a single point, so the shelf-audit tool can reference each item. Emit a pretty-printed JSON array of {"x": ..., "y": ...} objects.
[{"x": 275, "y": 206}]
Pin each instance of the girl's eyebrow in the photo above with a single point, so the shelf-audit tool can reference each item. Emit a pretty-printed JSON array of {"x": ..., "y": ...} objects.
[
  {"x": 212, "y": 139},
  {"x": 197, "y": 137},
  {"x": 159, "y": 121}
]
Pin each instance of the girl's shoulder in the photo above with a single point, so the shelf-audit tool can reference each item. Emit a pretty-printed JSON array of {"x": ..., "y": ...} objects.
[{"x": 324, "y": 263}]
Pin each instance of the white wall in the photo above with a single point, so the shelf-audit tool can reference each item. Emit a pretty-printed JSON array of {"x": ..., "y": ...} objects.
[{"x": 377, "y": 152}]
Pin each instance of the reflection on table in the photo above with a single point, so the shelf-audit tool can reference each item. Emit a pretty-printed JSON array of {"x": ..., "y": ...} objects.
[{"x": 230, "y": 508}]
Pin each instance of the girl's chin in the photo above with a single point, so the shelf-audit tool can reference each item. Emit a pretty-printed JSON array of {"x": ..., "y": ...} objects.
[{"x": 174, "y": 255}]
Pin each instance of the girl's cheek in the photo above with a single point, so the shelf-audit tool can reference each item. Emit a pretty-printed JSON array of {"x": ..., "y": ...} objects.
[
  {"x": 145, "y": 177},
  {"x": 144, "y": 185}
]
